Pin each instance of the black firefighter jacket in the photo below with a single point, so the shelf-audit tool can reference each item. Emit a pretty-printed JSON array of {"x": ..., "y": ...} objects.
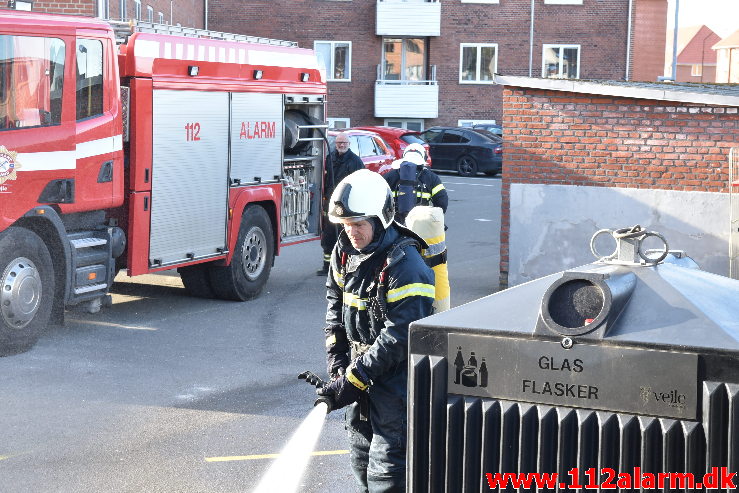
[{"x": 409, "y": 297}]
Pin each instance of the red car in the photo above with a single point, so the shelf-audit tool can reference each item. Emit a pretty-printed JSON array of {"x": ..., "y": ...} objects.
[
  {"x": 399, "y": 138},
  {"x": 372, "y": 149}
]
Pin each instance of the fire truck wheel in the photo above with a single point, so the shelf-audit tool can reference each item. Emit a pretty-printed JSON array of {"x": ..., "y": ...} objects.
[
  {"x": 252, "y": 259},
  {"x": 196, "y": 279},
  {"x": 26, "y": 289}
]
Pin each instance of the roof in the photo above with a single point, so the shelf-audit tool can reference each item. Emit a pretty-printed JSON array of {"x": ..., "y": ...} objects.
[
  {"x": 731, "y": 41},
  {"x": 698, "y": 50},
  {"x": 713, "y": 94}
]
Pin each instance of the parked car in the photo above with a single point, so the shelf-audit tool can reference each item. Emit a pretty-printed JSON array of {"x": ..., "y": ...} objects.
[
  {"x": 399, "y": 139},
  {"x": 372, "y": 149},
  {"x": 490, "y": 127},
  {"x": 465, "y": 150}
]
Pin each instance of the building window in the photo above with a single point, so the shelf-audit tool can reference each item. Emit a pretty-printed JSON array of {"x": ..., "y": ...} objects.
[
  {"x": 416, "y": 125},
  {"x": 336, "y": 57},
  {"x": 149, "y": 14},
  {"x": 89, "y": 78},
  {"x": 561, "y": 62},
  {"x": 404, "y": 59},
  {"x": 137, "y": 9},
  {"x": 477, "y": 62},
  {"x": 338, "y": 123},
  {"x": 696, "y": 70},
  {"x": 563, "y": 2},
  {"x": 160, "y": 16},
  {"x": 124, "y": 10}
]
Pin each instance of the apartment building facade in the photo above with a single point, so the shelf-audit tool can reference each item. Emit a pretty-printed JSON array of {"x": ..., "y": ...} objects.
[{"x": 419, "y": 63}]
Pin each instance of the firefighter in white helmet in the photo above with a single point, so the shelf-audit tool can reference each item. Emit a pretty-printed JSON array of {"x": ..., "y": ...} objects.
[
  {"x": 414, "y": 184},
  {"x": 377, "y": 285}
]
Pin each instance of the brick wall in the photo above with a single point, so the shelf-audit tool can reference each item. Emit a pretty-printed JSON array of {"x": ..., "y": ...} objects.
[
  {"x": 79, "y": 7},
  {"x": 649, "y": 38},
  {"x": 560, "y": 138},
  {"x": 188, "y": 13},
  {"x": 598, "y": 26}
]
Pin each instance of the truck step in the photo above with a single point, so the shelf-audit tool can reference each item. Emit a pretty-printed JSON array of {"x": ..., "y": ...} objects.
[
  {"x": 88, "y": 242},
  {"x": 90, "y": 288}
]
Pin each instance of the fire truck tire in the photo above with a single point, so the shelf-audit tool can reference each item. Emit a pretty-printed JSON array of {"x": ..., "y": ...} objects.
[
  {"x": 196, "y": 279},
  {"x": 26, "y": 289},
  {"x": 250, "y": 266}
]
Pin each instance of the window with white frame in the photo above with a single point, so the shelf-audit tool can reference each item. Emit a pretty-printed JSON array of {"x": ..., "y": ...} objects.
[
  {"x": 124, "y": 9},
  {"x": 137, "y": 10},
  {"x": 336, "y": 56},
  {"x": 338, "y": 122},
  {"x": 560, "y": 61},
  {"x": 563, "y": 2},
  {"x": 408, "y": 124},
  {"x": 149, "y": 13},
  {"x": 696, "y": 70},
  {"x": 478, "y": 63},
  {"x": 160, "y": 17}
]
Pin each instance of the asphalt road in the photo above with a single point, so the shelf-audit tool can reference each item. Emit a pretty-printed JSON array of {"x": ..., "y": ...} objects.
[{"x": 166, "y": 393}]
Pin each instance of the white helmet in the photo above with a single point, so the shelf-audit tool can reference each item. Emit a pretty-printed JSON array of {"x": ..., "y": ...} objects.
[
  {"x": 362, "y": 194},
  {"x": 416, "y": 154}
]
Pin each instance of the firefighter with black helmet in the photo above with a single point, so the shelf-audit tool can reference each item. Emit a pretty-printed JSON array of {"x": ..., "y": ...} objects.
[
  {"x": 378, "y": 284},
  {"x": 414, "y": 184}
]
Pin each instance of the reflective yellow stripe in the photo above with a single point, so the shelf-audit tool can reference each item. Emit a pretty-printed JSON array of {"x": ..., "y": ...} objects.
[
  {"x": 331, "y": 340},
  {"x": 355, "y": 381},
  {"x": 435, "y": 239},
  {"x": 438, "y": 188},
  {"x": 338, "y": 279},
  {"x": 423, "y": 195},
  {"x": 351, "y": 299},
  {"x": 415, "y": 289}
]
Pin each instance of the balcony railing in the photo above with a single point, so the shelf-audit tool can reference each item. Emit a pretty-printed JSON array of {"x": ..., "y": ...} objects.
[
  {"x": 406, "y": 98},
  {"x": 408, "y": 18}
]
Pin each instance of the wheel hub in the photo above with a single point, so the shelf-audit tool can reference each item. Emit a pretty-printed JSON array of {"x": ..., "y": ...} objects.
[
  {"x": 20, "y": 292},
  {"x": 253, "y": 253}
]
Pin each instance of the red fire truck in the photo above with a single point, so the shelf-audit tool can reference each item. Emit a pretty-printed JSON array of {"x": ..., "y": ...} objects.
[{"x": 151, "y": 150}]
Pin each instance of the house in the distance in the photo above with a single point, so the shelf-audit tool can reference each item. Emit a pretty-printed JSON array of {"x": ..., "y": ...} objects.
[
  {"x": 727, "y": 59},
  {"x": 696, "y": 62}
]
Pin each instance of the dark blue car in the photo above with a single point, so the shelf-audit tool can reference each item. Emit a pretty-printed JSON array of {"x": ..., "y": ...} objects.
[{"x": 465, "y": 150}]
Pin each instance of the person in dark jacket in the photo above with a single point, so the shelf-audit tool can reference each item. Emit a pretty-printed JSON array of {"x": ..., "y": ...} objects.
[
  {"x": 423, "y": 187},
  {"x": 341, "y": 163},
  {"x": 378, "y": 284}
]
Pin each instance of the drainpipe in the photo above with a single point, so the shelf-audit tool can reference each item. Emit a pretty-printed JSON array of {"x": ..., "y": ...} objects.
[
  {"x": 628, "y": 40},
  {"x": 206, "y": 15},
  {"x": 531, "y": 42},
  {"x": 674, "y": 43}
]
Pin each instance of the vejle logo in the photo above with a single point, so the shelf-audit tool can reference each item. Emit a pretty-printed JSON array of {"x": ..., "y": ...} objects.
[
  {"x": 8, "y": 165},
  {"x": 672, "y": 398}
]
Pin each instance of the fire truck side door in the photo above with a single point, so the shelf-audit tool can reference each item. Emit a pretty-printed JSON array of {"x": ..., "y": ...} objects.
[{"x": 189, "y": 204}]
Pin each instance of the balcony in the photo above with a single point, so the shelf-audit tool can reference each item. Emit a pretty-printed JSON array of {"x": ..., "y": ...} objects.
[
  {"x": 408, "y": 18},
  {"x": 406, "y": 98}
]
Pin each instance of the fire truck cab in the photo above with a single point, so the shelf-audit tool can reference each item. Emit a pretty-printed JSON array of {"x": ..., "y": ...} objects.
[{"x": 149, "y": 150}]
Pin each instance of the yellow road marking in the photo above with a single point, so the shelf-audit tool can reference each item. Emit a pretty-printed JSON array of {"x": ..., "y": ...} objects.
[{"x": 269, "y": 456}]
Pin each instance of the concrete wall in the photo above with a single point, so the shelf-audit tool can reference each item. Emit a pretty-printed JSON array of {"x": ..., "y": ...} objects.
[{"x": 551, "y": 225}]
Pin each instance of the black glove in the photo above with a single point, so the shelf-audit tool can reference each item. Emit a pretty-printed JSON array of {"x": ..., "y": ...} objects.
[
  {"x": 337, "y": 350},
  {"x": 346, "y": 388}
]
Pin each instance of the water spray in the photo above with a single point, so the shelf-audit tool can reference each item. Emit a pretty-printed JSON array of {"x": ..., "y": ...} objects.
[{"x": 285, "y": 473}]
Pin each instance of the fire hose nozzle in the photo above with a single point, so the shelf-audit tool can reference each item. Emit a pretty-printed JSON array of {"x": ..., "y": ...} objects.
[{"x": 317, "y": 382}]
